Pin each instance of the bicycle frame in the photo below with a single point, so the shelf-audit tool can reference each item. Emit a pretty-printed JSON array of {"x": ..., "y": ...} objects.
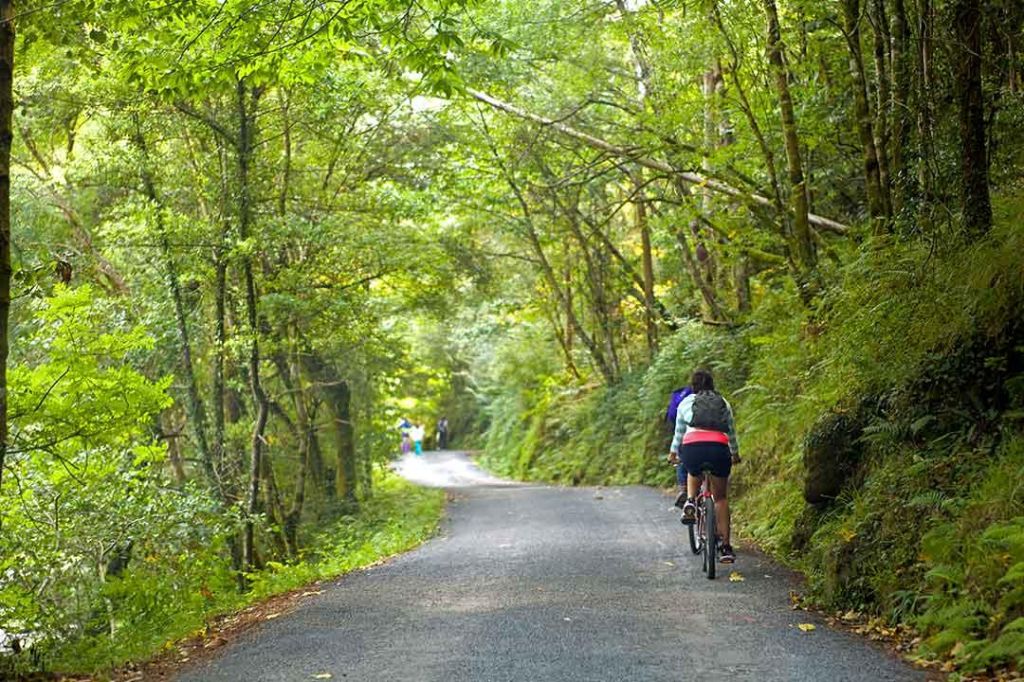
[{"x": 705, "y": 502}]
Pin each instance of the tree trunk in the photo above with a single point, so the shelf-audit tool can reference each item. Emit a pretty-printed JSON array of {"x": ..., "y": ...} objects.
[
  {"x": 340, "y": 406},
  {"x": 321, "y": 473},
  {"x": 741, "y": 275},
  {"x": 595, "y": 276},
  {"x": 194, "y": 403},
  {"x": 305, "y": 434},
  {"x": 636, "y": 291},
  {"x": 766, "y": 151},
  {"x": 925, "y": 123},
  {"x": 275, "y": 509},
  {"x": 572, "y": 319},
  {"x": 807, "y": 258},
  {"x": 900, "y": 134},
  {"x": 690, "y": 261},
  {"x": 705, "y": 236},
  {"x": 246, "y": 120},
  {"x": 6, "y": 137},
  {"x": 883, "y": 98},
  {"x": 1012, "y": 74},
  {"x": 220, "y": 348},
  {"x": 286, "y": 171},
  {"x": 338, "y": 396},
  {"x": 569, "y": 340},
  {"x": 977, "y": 207},
  {"x": 862, "y": 112},
  {"x": 220, "y": 265},
  {"x": 170, "y": 434},
  {"x": 650, "y": 315}
]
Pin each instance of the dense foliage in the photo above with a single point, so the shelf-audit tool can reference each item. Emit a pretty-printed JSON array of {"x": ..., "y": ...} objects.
[
  {"x": 891, "y": 480},
  {"x": 222, "y": 222},
  {"x": 246, "y": 237}
]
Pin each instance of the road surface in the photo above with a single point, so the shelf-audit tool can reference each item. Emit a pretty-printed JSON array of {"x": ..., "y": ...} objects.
[{"x": 529, "y": 582}]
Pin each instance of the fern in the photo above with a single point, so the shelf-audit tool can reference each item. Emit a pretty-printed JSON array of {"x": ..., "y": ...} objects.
[
  {"x": 1014, "y": 576},
  {"x": 1014, "y": 626},
  {"x": 950, "y": 576},
  {"x": 883, "y": 433},
  {"x": 931, "y": 499}
]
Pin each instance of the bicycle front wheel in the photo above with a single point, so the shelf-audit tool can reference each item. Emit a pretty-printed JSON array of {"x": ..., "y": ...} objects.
[
  {"x": 694, "y": 538},
  {"x": 710, "y": 542}
]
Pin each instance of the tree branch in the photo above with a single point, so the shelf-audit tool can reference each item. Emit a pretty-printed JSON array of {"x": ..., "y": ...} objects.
[{"x": 636, "y": 155}]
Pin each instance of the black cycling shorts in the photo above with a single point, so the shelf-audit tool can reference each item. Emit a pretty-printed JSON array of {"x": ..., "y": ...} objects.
[{"x": 716, "y": 455}]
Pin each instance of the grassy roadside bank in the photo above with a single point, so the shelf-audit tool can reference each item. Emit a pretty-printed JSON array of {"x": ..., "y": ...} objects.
[{"x": 397, "y": 518}]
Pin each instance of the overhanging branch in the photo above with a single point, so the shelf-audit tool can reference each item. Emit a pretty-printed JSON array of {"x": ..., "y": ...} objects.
[{"x": 635, "y": 155}]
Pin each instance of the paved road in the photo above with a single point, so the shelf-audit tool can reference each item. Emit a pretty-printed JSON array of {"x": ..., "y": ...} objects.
[{"x": 541, "y": 583}]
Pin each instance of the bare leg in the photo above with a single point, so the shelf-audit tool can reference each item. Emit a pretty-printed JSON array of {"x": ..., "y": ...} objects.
[
  {"x": 692, "y": 486},
  {"x": 720, "y": 489}
]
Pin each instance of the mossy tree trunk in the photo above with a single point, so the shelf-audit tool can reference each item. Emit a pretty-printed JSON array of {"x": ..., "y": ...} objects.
[
  {"x": 862, "y": 113},
  {"x": 247, "y": 100},
  {"x": 900, "y": 133},
  {"x": 6, "y": 137},
  {"x": 806, "y": 255},
  {"x": 974, "y": 190}
]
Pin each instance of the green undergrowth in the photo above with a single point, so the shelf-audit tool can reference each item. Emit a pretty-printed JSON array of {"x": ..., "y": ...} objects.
[
  {"x": 896, "y": 404},
  {"x": 165, "y": 608}
]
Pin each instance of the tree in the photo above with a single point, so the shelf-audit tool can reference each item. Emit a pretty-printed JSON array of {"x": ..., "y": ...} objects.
[
  {"x": 799, "y": 201},
  {"x": 974, "y": 192},
  {"x": 6, "y": 138}
]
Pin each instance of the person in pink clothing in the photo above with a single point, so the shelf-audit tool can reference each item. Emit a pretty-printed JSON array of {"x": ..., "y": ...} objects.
[{"x": 705, "y": 436}]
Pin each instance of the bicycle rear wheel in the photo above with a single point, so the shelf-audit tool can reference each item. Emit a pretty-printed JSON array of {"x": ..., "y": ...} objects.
[
  {"x": 710, "y": 547},
  {"x": 694, "y": 537}
]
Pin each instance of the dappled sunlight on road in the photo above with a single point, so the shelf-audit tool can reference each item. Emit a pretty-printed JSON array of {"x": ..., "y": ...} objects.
[{"x": 445, "y": 470}]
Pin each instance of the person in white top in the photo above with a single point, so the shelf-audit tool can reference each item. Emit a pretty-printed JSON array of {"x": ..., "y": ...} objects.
[{"x": 416, "y": 433}]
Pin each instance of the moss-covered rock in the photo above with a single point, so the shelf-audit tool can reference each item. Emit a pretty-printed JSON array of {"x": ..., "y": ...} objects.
[
  {"x": 804, "y": 527},
  {"x": 832, "y": 455}
]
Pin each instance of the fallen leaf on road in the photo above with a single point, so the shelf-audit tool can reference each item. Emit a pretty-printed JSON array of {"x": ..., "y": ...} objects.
[
  {"x": 272, "y": 616},
  {"x": 806, "y": 627},
  {"x": 323, "y": 676},
  {"x": 567, "y": 619},
  {"x": 309, "y": 594},
  {"x": 736, "y": 577},
  {"x": 669, "y": 563}
]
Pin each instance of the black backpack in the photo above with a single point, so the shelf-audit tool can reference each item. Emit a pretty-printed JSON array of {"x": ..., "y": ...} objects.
[{"x": 710, "y": 412}]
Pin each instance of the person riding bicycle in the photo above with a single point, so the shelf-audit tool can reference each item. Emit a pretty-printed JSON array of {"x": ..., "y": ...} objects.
[{"x": 705, "y": 436}]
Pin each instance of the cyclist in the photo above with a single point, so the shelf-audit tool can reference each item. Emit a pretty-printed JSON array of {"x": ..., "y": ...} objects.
[{"x": 705, "y": 435}]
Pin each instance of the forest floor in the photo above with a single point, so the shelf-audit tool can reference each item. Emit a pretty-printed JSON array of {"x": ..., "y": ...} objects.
[{"x": 540, "y": 582}]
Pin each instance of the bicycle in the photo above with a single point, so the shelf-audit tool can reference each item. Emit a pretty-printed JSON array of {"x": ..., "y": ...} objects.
[{"x": 705, "y": 519}]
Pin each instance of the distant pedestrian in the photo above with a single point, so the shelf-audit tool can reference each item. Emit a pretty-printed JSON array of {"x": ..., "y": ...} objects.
[
  {"x": 416, "y": 433},
  {"x": 404, "y": 426},
  {"x": 442, "y": 433}
]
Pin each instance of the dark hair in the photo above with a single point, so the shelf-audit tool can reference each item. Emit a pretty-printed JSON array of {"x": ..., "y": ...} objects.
[{"x": 702, "y": 381}]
